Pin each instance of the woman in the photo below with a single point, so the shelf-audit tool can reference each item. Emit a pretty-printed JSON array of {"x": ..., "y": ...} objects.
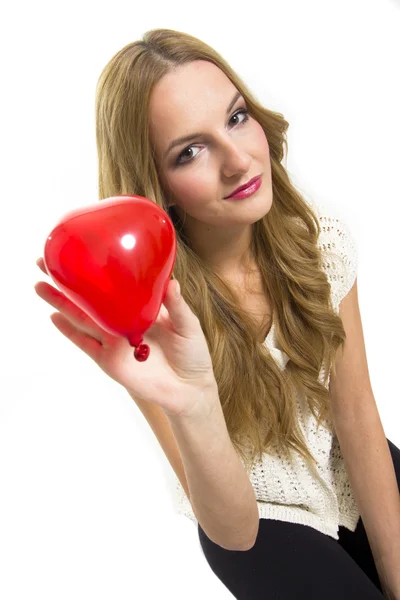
[{"x": 265, "y": 273}]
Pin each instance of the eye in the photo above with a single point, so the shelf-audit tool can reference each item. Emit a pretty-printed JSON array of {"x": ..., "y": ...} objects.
[{"x": 179, "y": 161}]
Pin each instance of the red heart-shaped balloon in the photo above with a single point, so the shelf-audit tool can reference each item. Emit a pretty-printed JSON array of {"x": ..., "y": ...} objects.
[{"x": 114, "y": 260}]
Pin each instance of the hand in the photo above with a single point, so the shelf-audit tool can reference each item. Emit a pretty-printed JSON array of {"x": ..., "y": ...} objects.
[{"x": 179, "y": 363}]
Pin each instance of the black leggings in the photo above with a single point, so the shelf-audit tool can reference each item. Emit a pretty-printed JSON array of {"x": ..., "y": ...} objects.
[{"x": 291, "y": 561}]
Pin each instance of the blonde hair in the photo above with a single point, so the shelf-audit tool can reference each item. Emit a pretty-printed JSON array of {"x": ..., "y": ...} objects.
[{"x": 257, "y": 397}]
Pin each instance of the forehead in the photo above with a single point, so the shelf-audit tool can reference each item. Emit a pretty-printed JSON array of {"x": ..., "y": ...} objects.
[{"x": 186, "y": 99}]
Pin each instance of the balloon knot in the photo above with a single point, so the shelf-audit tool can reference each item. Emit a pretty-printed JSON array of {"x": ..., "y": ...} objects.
[{"x": 142, "y": 352}]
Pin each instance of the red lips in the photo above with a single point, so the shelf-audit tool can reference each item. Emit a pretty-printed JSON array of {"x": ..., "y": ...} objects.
[{"x": 243, "y": 187}]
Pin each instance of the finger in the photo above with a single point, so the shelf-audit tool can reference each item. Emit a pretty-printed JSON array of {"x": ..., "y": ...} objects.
[
  {"x": 91, "y": 346},
  {"x": 41, "y": 265},
  {"x": 74, "y": 314}
]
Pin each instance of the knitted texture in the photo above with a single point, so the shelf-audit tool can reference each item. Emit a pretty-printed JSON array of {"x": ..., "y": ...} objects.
[{"x": 293, "y": 491}]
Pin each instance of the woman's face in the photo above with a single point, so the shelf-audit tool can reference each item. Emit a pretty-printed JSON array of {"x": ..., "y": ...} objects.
[{"x": 229, "y": 150}]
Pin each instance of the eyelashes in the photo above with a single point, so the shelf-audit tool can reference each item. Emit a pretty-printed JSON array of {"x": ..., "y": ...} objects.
[{"x": 180, "y": 162}]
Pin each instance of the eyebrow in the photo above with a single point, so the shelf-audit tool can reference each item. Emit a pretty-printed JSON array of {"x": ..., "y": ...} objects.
[{"x": 188, "y": 138}]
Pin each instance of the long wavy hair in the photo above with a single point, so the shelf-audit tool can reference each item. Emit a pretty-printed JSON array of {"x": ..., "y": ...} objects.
[{"x": 257, "y": 397}]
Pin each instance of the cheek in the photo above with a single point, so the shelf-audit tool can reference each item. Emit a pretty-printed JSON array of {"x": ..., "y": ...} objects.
[
  {"x": 190, "y": 188},
  {"x": 261, "y": 139},
  {"x": 185, "y": 191}
]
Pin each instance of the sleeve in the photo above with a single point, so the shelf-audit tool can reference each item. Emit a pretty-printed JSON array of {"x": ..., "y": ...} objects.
[{"x": 339, "y": 253}]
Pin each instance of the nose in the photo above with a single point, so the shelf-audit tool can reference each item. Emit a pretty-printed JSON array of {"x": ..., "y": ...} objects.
[{"x": 235, "y": 159}]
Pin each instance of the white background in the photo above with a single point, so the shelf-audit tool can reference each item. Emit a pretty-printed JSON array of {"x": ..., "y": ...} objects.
[{"x": 86, "y": 509}]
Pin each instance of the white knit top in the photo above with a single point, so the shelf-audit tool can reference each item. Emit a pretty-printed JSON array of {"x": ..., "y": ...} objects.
[{"x": 291, "y": 491}]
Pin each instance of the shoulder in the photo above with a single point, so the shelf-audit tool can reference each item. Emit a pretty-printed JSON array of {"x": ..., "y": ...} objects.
[{"x": 339, "y": 252}]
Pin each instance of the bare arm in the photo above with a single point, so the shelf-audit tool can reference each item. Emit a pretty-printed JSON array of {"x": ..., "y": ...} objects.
[
  {"x": 371, "y": 472},
  {"x": 221, "y": 493},
  {"x": 364, "y": 446}
]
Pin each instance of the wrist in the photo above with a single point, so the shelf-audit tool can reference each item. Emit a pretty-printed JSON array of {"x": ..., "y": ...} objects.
[{"x": 200, "y": 401}]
